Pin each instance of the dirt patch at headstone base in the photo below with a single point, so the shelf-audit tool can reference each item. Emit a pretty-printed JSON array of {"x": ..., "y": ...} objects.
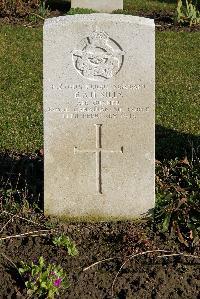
[{"x": 145, "y": 276}]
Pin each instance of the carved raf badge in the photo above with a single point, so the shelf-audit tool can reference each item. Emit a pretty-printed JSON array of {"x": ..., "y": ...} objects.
[{"x": 99, "y": 57}]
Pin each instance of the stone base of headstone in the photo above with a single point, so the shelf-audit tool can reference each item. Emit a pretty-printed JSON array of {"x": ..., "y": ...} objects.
[{"x": 101, "y": 5}]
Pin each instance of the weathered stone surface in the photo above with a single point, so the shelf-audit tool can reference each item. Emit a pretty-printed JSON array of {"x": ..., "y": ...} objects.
[
  {"x": 98, "y": 5},
  {"x": 99, "y": 78}
]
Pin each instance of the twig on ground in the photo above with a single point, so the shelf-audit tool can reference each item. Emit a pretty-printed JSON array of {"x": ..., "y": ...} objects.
[
  {"x": 179, "y": 254},
  {"x": 10, "y": 220},
  {"x": 113, "y": 258},
  {"x": 8, "y": 179},
  {"x": 36, "y": 233},
  {"x": 128, "y": 259},
  {"x": 36, "y": 15},
  {"x": 144, "y": 253},
  {"x": 99, "y": 262},
  {"x": 17, "y": 180},
  {"x": 9, "y": 260},
  {"x": 17, "y": 216}
]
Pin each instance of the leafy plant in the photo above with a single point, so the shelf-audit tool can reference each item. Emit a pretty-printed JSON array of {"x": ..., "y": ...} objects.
[
  {"x": 40, "y": 13},
  {"x": 188, "y": 14},
  {"x": 178, "y": 199},
  {"x": 66, "y": 242},
  {"x": 43, "y": 10},
  {"x": 9, "y": 199},
  {"x": 43, "y": 280},
  {"x": 15, "y": 200}
]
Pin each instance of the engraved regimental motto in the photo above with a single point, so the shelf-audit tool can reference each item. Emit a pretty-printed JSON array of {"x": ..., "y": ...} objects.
[{"x": 98, "y": 57}]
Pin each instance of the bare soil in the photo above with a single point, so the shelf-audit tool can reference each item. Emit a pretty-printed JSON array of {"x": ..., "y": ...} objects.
[{"x": 144, "y": 276}]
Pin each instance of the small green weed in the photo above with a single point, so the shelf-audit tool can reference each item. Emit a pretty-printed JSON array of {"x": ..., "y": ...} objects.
[
  {"x": 17, "y": 200},
  {"x": 12, "y": 200},
  {"x": 43, "y": 280},
  {"x": 65, "y": 241},
  {"x": 42, "y": 12},
  {"x": 188, "y": 14}
]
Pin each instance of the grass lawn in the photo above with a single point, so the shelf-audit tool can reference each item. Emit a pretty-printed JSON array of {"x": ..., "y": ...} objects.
[
  {"x": 177, "y": 81},
  {"x": 177, "y": 85},
  {"x": 21, "y": 88},
  {"x": 146, "y": 5}
]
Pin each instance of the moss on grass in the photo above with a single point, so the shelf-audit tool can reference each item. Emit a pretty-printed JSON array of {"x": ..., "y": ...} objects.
[{"x": 94, "y": 219}]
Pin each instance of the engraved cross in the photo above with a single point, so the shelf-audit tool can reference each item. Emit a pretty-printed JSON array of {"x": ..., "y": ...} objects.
[{"x": 98, "y": 150}]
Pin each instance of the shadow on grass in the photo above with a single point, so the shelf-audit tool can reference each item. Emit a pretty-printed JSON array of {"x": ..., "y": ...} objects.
[
  {"x": 171, "y": 144},
  {"x": 60, "y": 5},
  {"x": 195, "y": 2},
  {"x": 23, "y": 173},
  {"x": 168, "y": 1},
  {"x": 21, "y": 179},
  {"x": 14, "y": 273}
]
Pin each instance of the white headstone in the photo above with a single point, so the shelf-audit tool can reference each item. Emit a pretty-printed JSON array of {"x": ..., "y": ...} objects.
[
  {"x": 98, "y": 5},
  {"x": 99, "y": 77}
]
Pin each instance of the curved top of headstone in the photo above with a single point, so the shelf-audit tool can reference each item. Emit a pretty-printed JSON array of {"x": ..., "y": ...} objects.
[{"x": 62, "y": 20}]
